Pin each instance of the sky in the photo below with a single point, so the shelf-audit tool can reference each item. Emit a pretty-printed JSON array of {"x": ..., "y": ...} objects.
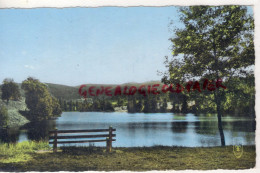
[{"x": 74, "y": 46}]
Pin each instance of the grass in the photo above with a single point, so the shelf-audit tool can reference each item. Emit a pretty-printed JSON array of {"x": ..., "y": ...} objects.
[
  {"x": 134, "y": 159},
  {"x": 20, "y": 152}
]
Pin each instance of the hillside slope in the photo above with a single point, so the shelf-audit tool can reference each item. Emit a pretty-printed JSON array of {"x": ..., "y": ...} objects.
[
  {"x": 14, "y": 117},
  {"x": 63, "y": 91},
  {"x": 71, "y": 92}
]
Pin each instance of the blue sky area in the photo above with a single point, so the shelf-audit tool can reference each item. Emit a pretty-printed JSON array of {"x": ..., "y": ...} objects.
[{"x": 72, "y": 46}]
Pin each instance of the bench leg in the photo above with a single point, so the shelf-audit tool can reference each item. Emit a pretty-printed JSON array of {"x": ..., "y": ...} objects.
[
  {"x": 109, "y": 145},
  {"x": 55, "y": 142}
]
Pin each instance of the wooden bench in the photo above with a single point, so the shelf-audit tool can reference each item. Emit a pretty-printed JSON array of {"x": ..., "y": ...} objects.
[{"x": 56, "y": 138}]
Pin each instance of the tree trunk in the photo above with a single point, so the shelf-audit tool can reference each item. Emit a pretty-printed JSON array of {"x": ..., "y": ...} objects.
[
  {"x": 216, "y": 94},
  {"x": 184, "y": 108},
  {"x": 220, "y": 128},
  {"x": 173, "y": 106}
]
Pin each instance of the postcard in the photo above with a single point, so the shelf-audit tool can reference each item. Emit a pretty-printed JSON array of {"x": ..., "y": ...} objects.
[{"x": 142, "y": 88}]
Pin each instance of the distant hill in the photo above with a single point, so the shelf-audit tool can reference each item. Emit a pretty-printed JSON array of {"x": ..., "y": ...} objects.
[
  {"x": 71, "y": 92},
  {"x": 63, "y": 92}
]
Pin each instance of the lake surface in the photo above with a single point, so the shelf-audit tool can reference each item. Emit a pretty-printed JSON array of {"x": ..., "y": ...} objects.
[{"x": 144, "y": 129}]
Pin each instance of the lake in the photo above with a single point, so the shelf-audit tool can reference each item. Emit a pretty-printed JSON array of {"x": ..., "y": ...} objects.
[{"x": 143, "y": 129}]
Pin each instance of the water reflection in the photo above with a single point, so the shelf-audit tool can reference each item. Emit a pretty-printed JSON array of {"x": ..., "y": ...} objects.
[
  {"x": 206, "y": 127},
  {"x": 9, "y": 135},
  {"x": 179, "y": 126},
  {"x": 34, "y": 131},
  {"x": 142, "y": 129},
  {"x": 37, "y": 131},
  {"x": 236, "y": 126}
]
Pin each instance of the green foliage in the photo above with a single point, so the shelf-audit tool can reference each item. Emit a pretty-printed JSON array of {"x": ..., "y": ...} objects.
[
  {"x": 153, "y": 104},
  {"x": 56, "y": 109},
  {"x": 204, "y": 102},
  {"x": 21, "y": 152},
  {"x": 87, "y": 106},
  {"x": 148, "y": 104},
  {"x": 10, "y": 90},
  {"x": 139, "y": 106},
  {"x": 120, "y": 102},
  {"x": 109, "y": 106},
  {"x": 212, "y": 44},
  {"x": 3, "y": 117},
  {"x": 240, "y": 99},
  {"x": 131, "y": 105},
  {"x": 38, "y": 99},
  {"x": 163, "y": 108},
  {"x": 216, "y": 42},
  {"x": 96, "y": 105}
]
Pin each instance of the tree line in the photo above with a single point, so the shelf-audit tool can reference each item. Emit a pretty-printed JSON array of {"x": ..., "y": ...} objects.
[
  {"x": 149, "y": 104},
  {"x": 97, "y": 105},
  {"x": 237, "y": 100}
]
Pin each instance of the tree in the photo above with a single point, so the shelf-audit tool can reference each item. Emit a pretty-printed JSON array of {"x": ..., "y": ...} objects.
[
  {"x": 215, "y": 43},
  {"x": 38, "y": 99},
  {"x": 56, "y": 107},
  {"x": 147, "y": 105},
  {"x": 77, "y": 105},
  {"x": 120, "y": 102},
  {"x": 163, "y": 108},
  {"x": 109, "y": 106},
  {"x": 65, "y": 107},
  {"x": 61, "y": 105},
  {"x": 153, "y": 105},
  {"x": 10, "y": 90},
  {"x": 3, "y": 117},
  {"x": 131, "y": 105},
  {"x": 241, "y": 100},
  {"x": 70, "y": 105},
  {"x": 96, "y": 105},
  {"x": 102, "y": 104},
  {"x": 139, "y": 106}
]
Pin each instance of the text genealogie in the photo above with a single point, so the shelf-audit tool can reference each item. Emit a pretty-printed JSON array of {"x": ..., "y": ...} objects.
[{"x": 151, "y": 89}]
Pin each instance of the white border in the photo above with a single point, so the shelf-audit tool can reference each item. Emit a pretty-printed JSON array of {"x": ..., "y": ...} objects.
[
  {"x": 131, "y": 3},
  {"x": 121, "y": 3}
]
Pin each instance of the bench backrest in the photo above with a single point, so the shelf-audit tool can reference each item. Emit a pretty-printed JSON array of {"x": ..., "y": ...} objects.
[{"x": 85, "y": 138}]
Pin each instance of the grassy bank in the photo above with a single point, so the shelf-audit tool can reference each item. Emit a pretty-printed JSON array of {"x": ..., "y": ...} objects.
[
  {"x": 31, "y": 156},
  {"x": 20, "y": 152}
]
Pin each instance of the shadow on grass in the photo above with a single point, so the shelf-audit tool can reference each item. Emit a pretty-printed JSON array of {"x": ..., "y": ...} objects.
[{"x": 81, "y": 150}]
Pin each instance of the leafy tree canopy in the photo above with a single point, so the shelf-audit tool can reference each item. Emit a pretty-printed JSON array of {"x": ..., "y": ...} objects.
[
  {"x": 216, "y": 42},
  {"x": 10, "y": 90},
  {"x": 38, "y": 99}
]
